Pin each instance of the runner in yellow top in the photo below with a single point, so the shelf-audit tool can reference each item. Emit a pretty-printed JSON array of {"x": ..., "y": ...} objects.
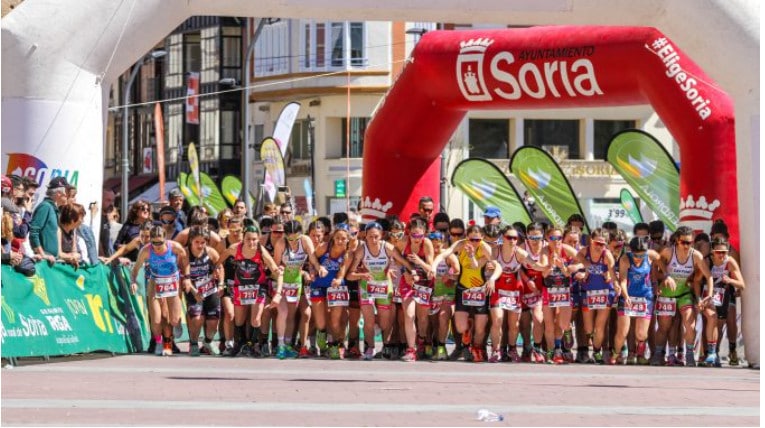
[{"x": 473, "y": 290}]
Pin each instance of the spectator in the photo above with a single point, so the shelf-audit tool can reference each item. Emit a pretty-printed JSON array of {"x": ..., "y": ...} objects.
[
  {"x": 176, "y": 201},
  {"x": 139, "y": 213},
  {"x": 492, "y": 215},
  {"x": 30, "y": 188},
  {"x": 269, "y": 209},
  {"x": 425, "y": 208},
  {"x": 67, "y": 236},
  {"x": 240, "y": 209},
  {"x": 105, "y": 238},
  {"x": 441, "y": 223},
  {"x": 285, "y": 210},
  {"x": 168, "y": 217},
  {"x": 87, "y": 239},
  {"x": 43, "y": 229}
]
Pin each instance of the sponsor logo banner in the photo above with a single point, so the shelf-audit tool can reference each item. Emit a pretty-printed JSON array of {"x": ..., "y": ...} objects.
[
  {"x": 485, "y": 185},
  {"x": 651, "y": 172},
  {"x": 545, "y": 181}
]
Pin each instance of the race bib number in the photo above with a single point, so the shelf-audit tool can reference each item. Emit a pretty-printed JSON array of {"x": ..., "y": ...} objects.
[
  {"x": 377, "y": 289},
  {"x": 422, "y": 295},
  {"x": 510, "y": 300},
  {"x": 246, "y": 294},
  {"x": 559, "y": 297},
  {"x": 638, "y": 307},
  {"x": 206, "y": 287},
  {"x": 337, "y": 296},
  {"x": 290, "y": 292},
  {"x": 165, "y": 287},
  {"x": 474, "y": 296},
  {"x": 597, "y": 299},
  {"x": 532, "y": 299},
  {"x": 719, "y": 296},
  {"x": 397, "y": 295},
  {"x": 666, "y": 306}
]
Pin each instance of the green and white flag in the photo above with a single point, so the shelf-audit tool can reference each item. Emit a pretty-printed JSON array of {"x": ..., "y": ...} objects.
[
  {"x": 485, "y": 185},
  {"x": 189, "y": 194},
  {"x": 213, "y": 199},
  {"x": 630, "y": 205},
  {"x": 544, "y": 180},
  {"x": 651, "y": 172}
]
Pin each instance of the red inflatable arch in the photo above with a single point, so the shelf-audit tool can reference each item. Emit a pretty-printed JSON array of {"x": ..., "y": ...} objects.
[{"x": 451, "y": 72}]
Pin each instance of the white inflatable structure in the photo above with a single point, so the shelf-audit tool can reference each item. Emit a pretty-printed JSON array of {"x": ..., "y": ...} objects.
[{"x": 60, "y": 58}]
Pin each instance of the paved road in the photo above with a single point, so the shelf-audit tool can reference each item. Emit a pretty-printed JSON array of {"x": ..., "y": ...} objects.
[{"x": 179, "y": 390}]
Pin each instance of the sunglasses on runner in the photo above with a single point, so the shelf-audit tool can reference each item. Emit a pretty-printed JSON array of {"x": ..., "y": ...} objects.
[
  {"x": 684, "y": 242},
  {"x": 157, "y": 243},
  {"x": 534, "y": 238},
  {"x": 554, "y": 238},
  {"x": 475, "y": 239},
  {"x": 720, "y": 252},
  {"x": 417, "y": 235},
  {"x": 599, "y": 244},
  {"x": 295, "y": 238},
  {"x": 511, "y": 237},
  {"x": 277, "y": 232}
]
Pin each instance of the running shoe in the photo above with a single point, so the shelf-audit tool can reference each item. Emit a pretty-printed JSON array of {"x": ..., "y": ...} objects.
[
  {"x": 642, "y": 360},
  {"x": 255, "y": 350},
  {"x": 558, "y": 357},
  {"x": 167, "y": 349},
  {"x": 631, "y": 359},
  {"x": 174, "y": 347},
  {"x": 549, "y": 357},
  {"x": 410, "y": 355},
  {"x": 598, "y": 357},
  {"x": 152, "y": 349},
  {"x": 582, "y": 356},
  {"x": 702, "y": 358},
  {"x": 210, "y": 350},
  {"x": 733, "y": 358},
  {"x": 568, "y": 357},
  {"x": 321, "y": 341},
  {"x": 496, "y": 356},
  {"x": 158, "y": 346},
  {"x": 513, "y": 355},
  {"x": 690, "y": 359},
  {"x": 456, "y": 354},
  {"x": 229, "y": 351},
  {"x": 354, "y": 353},
  {"x": 588, "y": 358},
  {"x": 680, "y": 358},
  {"x": 709, "y": 361},
  {"x": 245, "y": 350},
  {"x": 672, "y": 361},
  {"x": 568, "y": 339},
  {"x": 717, "y": 361},
  {"x": 467, "y": 355},
  {"x": 369, "y": 354},
  {"x": 304, "y": 353},
  {"x": 526, "y": 356},
  {"x": 265, "y": 350},
  {"x": 477, "y": 354},
  {"x": 194, "y": 349},
  {"x": 334, "y": 352},
  {"x": 536, "y": 356},
  {"x": 440, "y": 354},
  {"x": 313, "y": 351},
  {"x": 427, "y": 352},
  {"x": 281, "y": 352},
  {"x": 384, "y": 353},
  {"x": 178, "y": 330},
  {"x": 657, "y": 359},
  {"x": 396, "y": 352}
]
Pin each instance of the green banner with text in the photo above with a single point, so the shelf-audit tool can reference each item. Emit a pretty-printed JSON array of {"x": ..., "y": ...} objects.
[
  {"x": 486, "y": 185},
  {"x": 647, "y": 167},
  {"x": 61, "y": 311},
  {"x": 544, "y": 180}
]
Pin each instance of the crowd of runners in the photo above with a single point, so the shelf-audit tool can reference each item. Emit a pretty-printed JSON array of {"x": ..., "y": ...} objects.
[{"x": 500, "y": 292}]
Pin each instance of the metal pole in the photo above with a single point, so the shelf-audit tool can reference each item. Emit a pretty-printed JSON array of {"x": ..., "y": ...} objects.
[
  {"x": 246, "y": 158},
  {"x": 313, "y": 166},
  {"x": 125, "y": 145}
]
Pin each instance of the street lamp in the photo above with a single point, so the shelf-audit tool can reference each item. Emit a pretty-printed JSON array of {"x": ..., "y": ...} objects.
[{"x": 159, "y": 53}]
